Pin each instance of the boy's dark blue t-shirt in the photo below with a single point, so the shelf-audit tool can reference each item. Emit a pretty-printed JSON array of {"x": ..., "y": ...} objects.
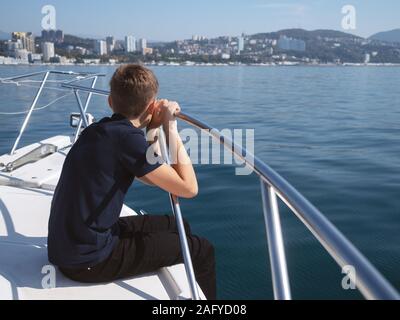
[{"x": 97, "y": 173}]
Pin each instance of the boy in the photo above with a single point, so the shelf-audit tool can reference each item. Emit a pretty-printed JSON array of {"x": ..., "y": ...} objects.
[{"x": 87, "y": 239}]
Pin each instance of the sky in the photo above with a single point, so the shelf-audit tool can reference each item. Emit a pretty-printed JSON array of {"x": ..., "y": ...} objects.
[{"x": 166, "y": 20}]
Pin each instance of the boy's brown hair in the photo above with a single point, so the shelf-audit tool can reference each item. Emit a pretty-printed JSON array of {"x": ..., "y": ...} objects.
[{"x": 132, "y": 89}]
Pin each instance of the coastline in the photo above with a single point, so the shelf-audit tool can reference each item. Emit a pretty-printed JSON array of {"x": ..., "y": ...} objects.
[{"x": 190, "y": 64}]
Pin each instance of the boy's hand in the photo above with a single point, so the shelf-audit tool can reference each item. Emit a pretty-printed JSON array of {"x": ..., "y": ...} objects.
[
  {"x": 156, "y": 120},
  {"x": 171, "y": 110},
  {"x": 164, "y": 114}
]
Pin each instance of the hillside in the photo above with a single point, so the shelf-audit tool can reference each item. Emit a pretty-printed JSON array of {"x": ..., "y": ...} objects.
[
  {"x": 306, "y": 35},
  {"x": 323, "y": 45},
  {"x": 387, "y": 36}
]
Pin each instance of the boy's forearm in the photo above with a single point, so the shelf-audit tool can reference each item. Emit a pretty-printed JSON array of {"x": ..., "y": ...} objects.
[
  {"x": 176, "y": 148},
  {"x": 180, "y": 159},
  {"x": 153, "y": 138},
  {"x": 174, "y": 142}
]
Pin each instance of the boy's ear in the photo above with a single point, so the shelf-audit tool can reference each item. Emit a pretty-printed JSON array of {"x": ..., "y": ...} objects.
[{"x": 152, "y": 106}]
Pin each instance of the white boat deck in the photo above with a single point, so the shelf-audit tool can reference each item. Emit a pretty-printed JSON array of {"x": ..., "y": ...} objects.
[
  {"x": 25, "y": 200},
  {"x": 42, "y": 174}
]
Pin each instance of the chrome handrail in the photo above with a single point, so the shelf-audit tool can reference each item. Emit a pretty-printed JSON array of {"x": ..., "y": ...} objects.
[
  {"x": 47, "y": 73},
  {"x": 31, "y": 108},
  {"x": 276, "y": 246},
  {"x": 369, "y": 280},
  {"x": 176, "y": 209}
]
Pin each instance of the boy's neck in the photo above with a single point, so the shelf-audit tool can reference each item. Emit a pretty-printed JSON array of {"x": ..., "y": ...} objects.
[{"x": 136, "y": 123}]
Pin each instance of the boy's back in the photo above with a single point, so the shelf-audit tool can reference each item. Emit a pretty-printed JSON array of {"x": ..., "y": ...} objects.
[{"x": 89, "y": 197}]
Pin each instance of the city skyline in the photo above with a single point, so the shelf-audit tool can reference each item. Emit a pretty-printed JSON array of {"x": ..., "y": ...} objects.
[{"x": 233, "y": 17}]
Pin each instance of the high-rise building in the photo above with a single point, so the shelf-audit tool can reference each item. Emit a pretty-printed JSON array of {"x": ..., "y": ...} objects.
[
  {"x": 367, "y": 58},
  {"x": 14, "y": 45},
  {"x": 51, "y": 35},
  {"x": 110, "y": 44},
  {"x": 196, "y": 37},
  {"x": 119, "y": 45},
  {"x": 56, "y": 36},
  {"x": 48, "y": 51},
  {"x": 81, "y": 51},
  {"x": 17, "y": 35},
  {"x": 130, "y": 44},
  {"x": 27, "y": 39},
  {"x": 22, "y": 54},
  {"x": 59, "y": 36},
  {"x": 35, "y": 58},
  {"x": 225, "y": 56},
  {"x": 142, "y": 45},
  {"x": 101, "y": 47},
  {"x": 241, "y": 44}
]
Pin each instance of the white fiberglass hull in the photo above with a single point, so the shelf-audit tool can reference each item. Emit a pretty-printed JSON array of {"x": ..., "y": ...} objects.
[{"x": 25, "y": 273}]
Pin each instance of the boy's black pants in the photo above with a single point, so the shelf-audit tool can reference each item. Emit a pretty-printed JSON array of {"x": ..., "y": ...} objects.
[{"x": 146, "y": 244}]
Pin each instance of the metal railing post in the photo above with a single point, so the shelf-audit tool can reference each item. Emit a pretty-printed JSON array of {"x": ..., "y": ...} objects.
[
  {"x": 31, "y": 109},
  {"x": 85, "y": 109},
  {"x": 181, "y": 228},
  {"x": 280, "y": 278},
  {"x": 81, "y": 109}
]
